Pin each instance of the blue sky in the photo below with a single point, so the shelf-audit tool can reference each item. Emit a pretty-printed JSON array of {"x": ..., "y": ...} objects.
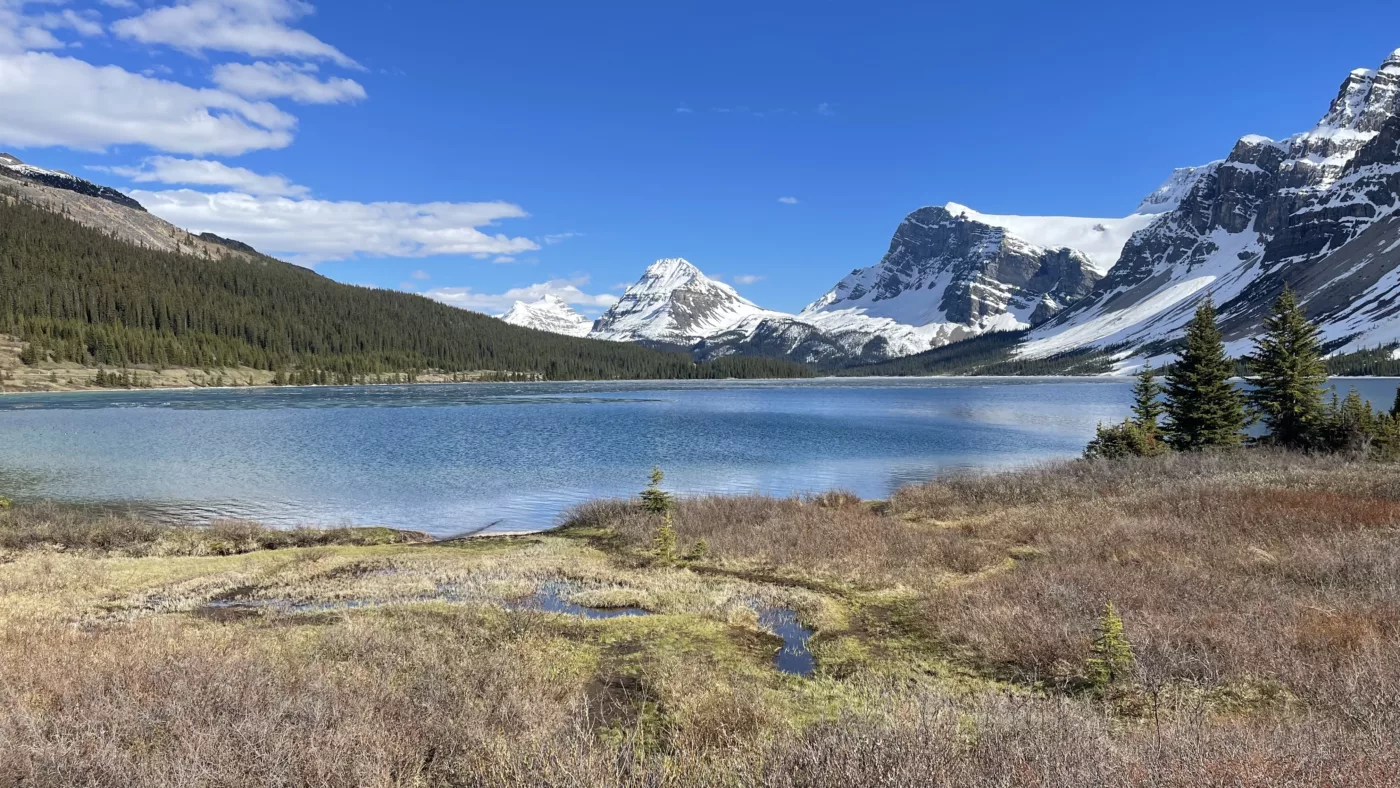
[{"x": 480, "y": 151}]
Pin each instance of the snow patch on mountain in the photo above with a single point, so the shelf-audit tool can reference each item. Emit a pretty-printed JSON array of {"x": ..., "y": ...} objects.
[
  {"x": 1318, "y": 212},
  {"x": 551, "y": 313},
  {"x": 1101, "y": 240},
  {"x": 1168, "y": 196},
  {"x": 674, "y": 303}
]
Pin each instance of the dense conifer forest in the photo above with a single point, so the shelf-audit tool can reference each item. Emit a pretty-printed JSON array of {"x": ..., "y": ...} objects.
[{"x": 78, "y": 295}]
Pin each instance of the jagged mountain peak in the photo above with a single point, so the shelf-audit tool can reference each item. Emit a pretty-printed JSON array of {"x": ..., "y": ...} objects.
[
  {"x": 548, "y": 313},
  {"x": 674, "y": 303},
  {"x": 1318, "y": 211},
  {"x": 1169, "y": 195}
]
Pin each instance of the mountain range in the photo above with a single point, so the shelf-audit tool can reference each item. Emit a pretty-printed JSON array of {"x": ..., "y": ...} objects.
[{"x": 1315, "y": 212}]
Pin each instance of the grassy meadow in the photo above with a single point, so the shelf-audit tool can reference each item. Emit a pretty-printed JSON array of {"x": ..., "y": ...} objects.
[{"x": 953, "y": 626}]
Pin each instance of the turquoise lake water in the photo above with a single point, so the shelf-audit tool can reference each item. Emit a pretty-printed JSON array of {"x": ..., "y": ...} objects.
[{"x": 453, "y": 458}]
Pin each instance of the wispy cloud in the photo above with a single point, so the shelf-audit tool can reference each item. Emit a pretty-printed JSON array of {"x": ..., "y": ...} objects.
[
  {"x": 748, "y": 279},
  {"x": 496, "y": 303},
  {"x": 559, "y": 238},
  {"x": 788, "y": 200},
  {"x": 421, "y": 275},
  {"x": 825, "y": 109},
  {"x": 260, "y": 28},
  {"x": 309, "y": 231},
  {"x": 262, "y": 80},
  {"x": 202, "y": 172}
]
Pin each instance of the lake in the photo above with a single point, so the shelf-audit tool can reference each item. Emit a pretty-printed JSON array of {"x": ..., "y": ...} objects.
[{"x": 447, "y": 459}]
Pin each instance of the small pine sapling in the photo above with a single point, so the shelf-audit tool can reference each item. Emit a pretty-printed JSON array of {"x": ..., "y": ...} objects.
[
  {"x": 654, "y": 499},
  {"x": 1111, "y": 658}
]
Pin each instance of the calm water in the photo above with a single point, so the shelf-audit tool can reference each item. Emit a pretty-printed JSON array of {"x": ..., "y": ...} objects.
[{"x": 452, "y": 458}]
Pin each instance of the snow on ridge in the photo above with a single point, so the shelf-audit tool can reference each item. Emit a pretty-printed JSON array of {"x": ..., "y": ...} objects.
[
  {"x": 550, "y": 313},
  {"x": 1100, "y": 240},
  {"x": 674, "y": 302}
]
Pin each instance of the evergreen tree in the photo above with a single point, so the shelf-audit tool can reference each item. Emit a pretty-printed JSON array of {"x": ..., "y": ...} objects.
[
  {"x": 654, "y": 499},
  {"x": 1204, "y": 410},
  {"x": 1352, "y": 426},
  {"x": 665, "y": 539},
  {"x": 1395, "y": 408},
  {"x": 1111, "y": 657},
  {"x": 1147, "y": 402},
  {"x": 1289, "y": 376}
]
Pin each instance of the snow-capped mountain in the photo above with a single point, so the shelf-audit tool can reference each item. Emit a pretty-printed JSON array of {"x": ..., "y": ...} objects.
[
  {"x": 675, "y": 304},
  {"x": 57, "y": 179},
  {"x": 551, "y": 314},
  {"x": 1316, "y": 211},
  {"x": 951, "y": 273}
]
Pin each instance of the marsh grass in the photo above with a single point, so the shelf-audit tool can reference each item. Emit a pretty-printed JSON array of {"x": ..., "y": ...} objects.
[
  {"x": 60, "y": 527},
  {"x": 1260, "y": 591}
]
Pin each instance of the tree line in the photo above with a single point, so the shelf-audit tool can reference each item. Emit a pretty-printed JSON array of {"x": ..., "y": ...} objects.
[
  {"x": 76, "y": 294},
  {"x": 1201, "y": 408}
]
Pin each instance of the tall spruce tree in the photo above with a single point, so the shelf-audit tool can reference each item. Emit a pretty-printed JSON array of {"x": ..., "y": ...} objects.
[
  {"x": 1147, "y": 402},
  {"x": 1289, "y": 376},
  {"x": 1204, "y": 410}
]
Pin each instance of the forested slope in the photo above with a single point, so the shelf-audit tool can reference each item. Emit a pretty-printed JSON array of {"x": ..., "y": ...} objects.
[{"x": 78, "y": 295}]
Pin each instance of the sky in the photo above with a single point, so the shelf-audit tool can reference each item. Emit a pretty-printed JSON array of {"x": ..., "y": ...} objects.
[{"x": 483, "y": 152}]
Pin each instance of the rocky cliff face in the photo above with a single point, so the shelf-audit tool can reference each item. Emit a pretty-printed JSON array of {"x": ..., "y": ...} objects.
[
  {"x": 1314, "y": 211},
  {"x": 107, "y": 209},
  {"x": 11, "y": 167},
  {"x": 675, "y": 304},
  {"x": 950, "y": 274},
  {"x": 947, "y": 268},
  {"x": 551, "y": 314}
]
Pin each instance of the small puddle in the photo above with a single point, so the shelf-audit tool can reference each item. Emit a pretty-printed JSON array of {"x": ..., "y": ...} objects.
[
  {"x": 795, "y": 657},
  {"x": 549, "y": 599}
]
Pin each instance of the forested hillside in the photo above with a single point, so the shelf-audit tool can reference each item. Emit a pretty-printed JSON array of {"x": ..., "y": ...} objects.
[{"x": 78, "y": 295}]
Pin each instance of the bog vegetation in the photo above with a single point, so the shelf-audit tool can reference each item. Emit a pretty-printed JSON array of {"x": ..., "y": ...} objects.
[{"x": 1195, "y": 618}]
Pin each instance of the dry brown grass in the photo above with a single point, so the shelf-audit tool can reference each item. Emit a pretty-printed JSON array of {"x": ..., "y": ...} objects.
[
  {"x": 58, "y": 527},
  {"x": 1261, "y": 592}
]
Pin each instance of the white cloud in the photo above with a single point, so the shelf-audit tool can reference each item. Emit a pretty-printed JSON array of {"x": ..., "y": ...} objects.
[
  {"x": 504, "y": 259},
  {"x": 313, "y": 231},
  {"x": 421, "y": 275},
  {"x": 21, "y": 31},
  {"x": 51, "y": 100},
  {"x": 559, "y": 238},
  {"x": 788, "y": 200},
  {"x": 253, "y": 27},
  {"x": 201, "y": 172},
  {"x": 825, "y": 109},
  {"x": 122, "y": 4},
  {"x": 748, "y": 279},
  {"x": 497, "y": 303},
  {"x": 283, "y": 80}
]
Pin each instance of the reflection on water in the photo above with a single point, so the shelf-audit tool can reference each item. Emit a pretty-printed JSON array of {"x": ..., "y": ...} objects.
[{"x": 452, "y": 458}]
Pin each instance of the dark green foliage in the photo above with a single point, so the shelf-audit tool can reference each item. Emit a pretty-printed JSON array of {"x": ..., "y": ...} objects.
[
  {"x": 1204, "y": 410},
  {"x": 1119, "y": 441},
  {"x": 78, "y": 295},
  {"x": 665, "y": 539},
  {"x": 655, "y": 499},
  {"x": 1352, "y": 426},
  {"x": 1289, "y": 375},
  {"x": 698, "y": 551},
  {"x": 1111, "y": 659},
  {"x": 1147, "y": 402},
  {"x": 1370, "y": 362}
]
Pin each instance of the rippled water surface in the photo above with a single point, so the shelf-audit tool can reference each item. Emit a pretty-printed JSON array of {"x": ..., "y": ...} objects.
[{"x": 451, "y": 458}]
